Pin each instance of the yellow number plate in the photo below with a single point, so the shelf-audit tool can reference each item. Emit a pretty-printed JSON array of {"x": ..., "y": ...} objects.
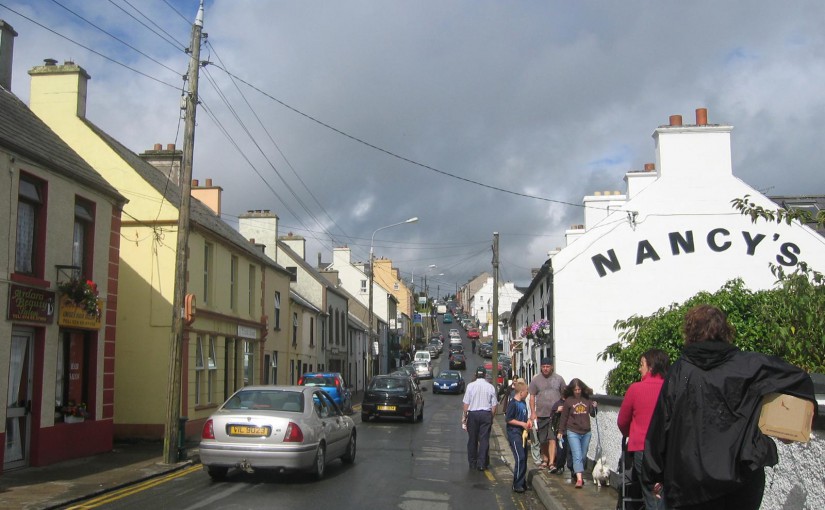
[
  {"x": 386, "y": 408},
  {"x": 248, "y": 430}
]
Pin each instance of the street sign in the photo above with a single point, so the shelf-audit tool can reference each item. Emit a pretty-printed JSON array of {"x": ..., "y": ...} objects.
[{"x": 416, "y": 318}]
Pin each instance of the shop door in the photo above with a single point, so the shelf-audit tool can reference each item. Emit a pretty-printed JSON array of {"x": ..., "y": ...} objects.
[{"x": 18, "y": 407}]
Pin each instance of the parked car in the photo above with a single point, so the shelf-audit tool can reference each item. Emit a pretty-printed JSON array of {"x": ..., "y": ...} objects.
[
  {"x": 410, "y": 371},
  {"x": 392, "y": 396},
  {"x": 455, "y": 339},
  {"x": 485, "y": 350},
  {"x": 488, "y": 365},
  {"x": 290, "y": 428},
  {"x": 424, "y": 369},
  {"x": 457, "y": 348},
  {"x": 454, "y": 331},
  {"x": 458, "y": 361},
  {"x": 332, "y": 383},
  {"x": 473, "y": 333},
  {"x": 449, "y": 381},
  {"x": 434, "y": 352},
  {"x": 438, "y": 343}
]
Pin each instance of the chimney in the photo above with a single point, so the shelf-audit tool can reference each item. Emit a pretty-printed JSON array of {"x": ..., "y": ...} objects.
[
  {"x": 7, "y": 35},
  {"x": 263, "y": 227},
  {"x": 58, "y": 91},
  {"x": 167, "y": 161},
  {"x": 637, "y": 181},
  {"x": 295, "y": 243},
  {"x": 210, "y": 195},
  {"x": 693, "y": 153}
]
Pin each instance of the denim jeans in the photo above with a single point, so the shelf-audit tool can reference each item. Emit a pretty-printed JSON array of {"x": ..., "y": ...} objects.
[{"x": 578, "y": 447}]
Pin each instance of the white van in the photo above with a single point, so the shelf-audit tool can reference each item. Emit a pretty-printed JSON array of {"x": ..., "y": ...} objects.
[{"x": 423, "y": 355}]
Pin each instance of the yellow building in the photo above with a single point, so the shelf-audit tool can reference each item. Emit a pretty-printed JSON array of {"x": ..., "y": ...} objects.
[
  {"x": 390, "y": 279},
  {"x": 234, "y": 323}
]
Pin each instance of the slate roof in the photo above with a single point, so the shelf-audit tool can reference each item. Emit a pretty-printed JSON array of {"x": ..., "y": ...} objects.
[
  {"x": 813, "y": 203},
  {"x": 22, "y": 132},
  {"x": 200, "y": 214}
]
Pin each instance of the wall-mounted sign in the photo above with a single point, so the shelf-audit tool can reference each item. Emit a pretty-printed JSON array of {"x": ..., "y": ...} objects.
[
  {"x": 30, "y": 305},
  {"x": 70, "y": 315},
  {"x": 247, "y": 332}
]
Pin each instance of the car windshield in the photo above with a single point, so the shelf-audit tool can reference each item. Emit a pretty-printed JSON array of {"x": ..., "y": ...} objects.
[
  {"x": 450, "y": 375},
  {"x": 389, "y": 384},
  {"x": 290, "y": 401}
]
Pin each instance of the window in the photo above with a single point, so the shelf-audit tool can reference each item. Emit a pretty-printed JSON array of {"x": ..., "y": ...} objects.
[
  {"x": 277, "y": 311},
  {"x": 294, "y": 329},
  {"x": 74, "y": 374},
  {"x": 312, "y": 331},
  {"x": 199, "y": 369},
  {"x": 31, "y": 222},
  {"x": 363, "y": 285},
  {"x": 208, "y": 250},
  {"x": 252, "y": 307},
  {"x": 212, "y": 366},
  {"x": 233, "y": 283},
  {"x": 83, "y": 238},
  {"x": 248, "y": 362}
]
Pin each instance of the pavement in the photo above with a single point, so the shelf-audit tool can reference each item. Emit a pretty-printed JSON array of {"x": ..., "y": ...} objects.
[{"x": 67, "y": 483}]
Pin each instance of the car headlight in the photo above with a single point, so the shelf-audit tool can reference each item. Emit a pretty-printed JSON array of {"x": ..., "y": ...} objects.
[{"x": 453, "y": 385}]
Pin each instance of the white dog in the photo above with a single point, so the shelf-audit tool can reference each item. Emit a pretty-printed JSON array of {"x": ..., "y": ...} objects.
[{"x": 601, "y": 474}]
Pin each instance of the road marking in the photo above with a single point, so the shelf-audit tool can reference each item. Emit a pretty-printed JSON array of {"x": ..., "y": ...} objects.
[{"x": 133, "y": 489}]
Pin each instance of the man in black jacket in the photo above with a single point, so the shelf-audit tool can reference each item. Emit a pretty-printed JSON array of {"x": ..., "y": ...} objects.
[{"x": 704, "y": 444}]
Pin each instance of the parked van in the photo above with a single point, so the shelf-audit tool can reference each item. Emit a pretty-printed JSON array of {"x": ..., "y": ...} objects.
[{"x": 423, "y": 355}]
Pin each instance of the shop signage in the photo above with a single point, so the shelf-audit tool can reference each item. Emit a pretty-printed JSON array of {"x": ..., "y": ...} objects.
[
  {"x": 30, "y": 305},
  {"x": 247, "y": 332},
  {"x": 718, "y": 240},
  {"x": 72, "y": 316}
]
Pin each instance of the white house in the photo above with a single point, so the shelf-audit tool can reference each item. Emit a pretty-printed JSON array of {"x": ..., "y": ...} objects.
[
  {"x": 675, "y": 234},
  {"x": 481, "y": 304}
]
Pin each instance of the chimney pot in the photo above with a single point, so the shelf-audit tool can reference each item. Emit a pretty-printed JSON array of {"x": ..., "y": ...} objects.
[
  {"x": 194, "y": 183},
  {"x": 675, "y": 120},
  {"x": 158, "y": 146},
  {"x": 170, "y": 146},
  {"x": 649, "y": 167},
  {"x": 68, "y": 63},
  {"x": 701, "y": 116},
  {"x": 208, "y": 183},
  {"x": 50, "y": 61},
  {"x": 597, "y": 193}
]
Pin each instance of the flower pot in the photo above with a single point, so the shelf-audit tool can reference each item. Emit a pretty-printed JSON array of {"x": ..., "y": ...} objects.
[{"x": 73, "y": 419}]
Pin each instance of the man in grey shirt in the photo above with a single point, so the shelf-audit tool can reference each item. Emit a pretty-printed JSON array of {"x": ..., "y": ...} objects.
[{"x": 546, "y": 389}]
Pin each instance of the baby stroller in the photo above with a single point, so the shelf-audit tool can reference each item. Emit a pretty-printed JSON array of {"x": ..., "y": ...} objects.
[{"x": 630, "y": 495}]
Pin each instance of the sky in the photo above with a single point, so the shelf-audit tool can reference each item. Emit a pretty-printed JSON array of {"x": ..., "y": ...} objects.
[{"x": 473, "y": 116}]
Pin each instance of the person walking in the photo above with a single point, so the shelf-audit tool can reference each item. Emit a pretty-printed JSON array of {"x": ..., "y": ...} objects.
[
  {"x": 636, "y": 412},
  {"x": 518, "y": 425},
  {"x": 575, "y": 424},
  {"x": 704, "y": 447},
  {"x": 545, "y": 389},
  {"x": 479, "y": 409}
]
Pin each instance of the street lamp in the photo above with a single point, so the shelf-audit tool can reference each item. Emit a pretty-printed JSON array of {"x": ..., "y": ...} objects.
[{"x": 372, "y": 279}]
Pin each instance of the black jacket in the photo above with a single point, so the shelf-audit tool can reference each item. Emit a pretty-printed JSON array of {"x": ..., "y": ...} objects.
[{"x": 704, "y": 440}]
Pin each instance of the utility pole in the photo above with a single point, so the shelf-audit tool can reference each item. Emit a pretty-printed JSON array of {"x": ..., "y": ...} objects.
[
  {"x": 495, "y": 308},
  {"x": 170, "y": 452}
]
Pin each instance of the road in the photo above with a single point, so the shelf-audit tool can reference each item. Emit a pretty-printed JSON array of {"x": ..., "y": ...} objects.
[{"x": 398, "y": 465}]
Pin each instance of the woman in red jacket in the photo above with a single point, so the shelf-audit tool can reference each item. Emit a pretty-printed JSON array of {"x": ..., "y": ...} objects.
[{"x": 637, "y": 410}]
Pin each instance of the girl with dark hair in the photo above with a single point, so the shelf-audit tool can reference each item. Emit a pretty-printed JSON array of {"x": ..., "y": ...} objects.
[
  {"x": 575, "y": 423},
  {"x": 704, "y": 446},
  {"x": 637, "y": 410}
]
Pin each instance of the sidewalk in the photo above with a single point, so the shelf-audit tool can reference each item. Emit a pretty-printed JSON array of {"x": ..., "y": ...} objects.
[{"x": 556, "y": 492}]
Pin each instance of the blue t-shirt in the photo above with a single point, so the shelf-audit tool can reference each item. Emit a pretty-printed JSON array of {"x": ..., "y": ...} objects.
[{"x": 517, "y": 410}]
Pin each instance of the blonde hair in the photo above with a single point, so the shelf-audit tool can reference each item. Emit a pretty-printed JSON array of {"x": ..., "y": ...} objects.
[{"x": 520, "y": 386}]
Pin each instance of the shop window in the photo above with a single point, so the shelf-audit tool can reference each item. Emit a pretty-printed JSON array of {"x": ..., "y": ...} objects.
[
  {"x": 31, "y": 227},
  {"x": 74, "y": 376},
  {"x": 249, "y": 362}
]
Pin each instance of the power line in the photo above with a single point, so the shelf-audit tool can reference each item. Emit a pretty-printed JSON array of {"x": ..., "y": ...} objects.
[{"x": 174, "y": 43}]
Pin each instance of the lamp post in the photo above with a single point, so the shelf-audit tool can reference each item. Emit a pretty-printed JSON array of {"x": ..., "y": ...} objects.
[{"x": 372, "y": 279}]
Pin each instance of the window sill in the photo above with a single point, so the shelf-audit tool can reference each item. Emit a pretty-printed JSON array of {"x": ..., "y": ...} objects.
[{"x": 30, "y": 280}]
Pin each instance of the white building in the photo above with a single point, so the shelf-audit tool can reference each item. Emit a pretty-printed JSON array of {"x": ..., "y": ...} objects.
[
  {"x": 675, "y": 234},
  {"x": 481, "y": 304}
]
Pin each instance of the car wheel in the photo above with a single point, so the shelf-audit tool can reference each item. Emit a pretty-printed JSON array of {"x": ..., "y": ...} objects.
[
  {"x": 320, "y": 463},
  {"x": 349, "y": 455},
  {"x": 217, "y": 473}
]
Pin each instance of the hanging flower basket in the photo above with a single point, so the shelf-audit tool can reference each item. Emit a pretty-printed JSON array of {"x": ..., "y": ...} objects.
[
  {"x": 82, "y": 293},
  {"x": 74, "y": 413}
]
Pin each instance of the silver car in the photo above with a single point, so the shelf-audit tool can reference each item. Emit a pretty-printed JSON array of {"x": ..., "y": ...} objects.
[
  {"x": 284, "y": 428},
  {"x": 424, "y": 369}
]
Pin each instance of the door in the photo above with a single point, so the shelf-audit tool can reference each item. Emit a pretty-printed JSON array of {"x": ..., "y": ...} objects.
[{"x": 18, "y": 404}]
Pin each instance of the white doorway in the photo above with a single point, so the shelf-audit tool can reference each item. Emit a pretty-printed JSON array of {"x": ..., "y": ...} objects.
[{"x": 18, "y": 403}]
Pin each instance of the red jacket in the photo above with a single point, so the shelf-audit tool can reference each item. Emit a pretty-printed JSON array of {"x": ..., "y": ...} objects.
[{"x": 637, "y": 410}]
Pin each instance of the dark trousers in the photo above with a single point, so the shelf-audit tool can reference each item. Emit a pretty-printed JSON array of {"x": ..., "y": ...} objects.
[
  {"x": 519, "y": 456},
  {"x": 747, "y": 497},
  {"x": 478, "y": 442}
]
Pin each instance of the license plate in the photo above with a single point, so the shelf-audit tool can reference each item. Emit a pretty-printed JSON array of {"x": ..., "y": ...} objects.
[
  {"x": 386, "y": 408},
  {"x": 249, "y": 430}
]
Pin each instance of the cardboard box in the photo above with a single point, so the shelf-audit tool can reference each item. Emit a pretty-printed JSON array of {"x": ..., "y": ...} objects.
[{"x": 786, "y": 417}]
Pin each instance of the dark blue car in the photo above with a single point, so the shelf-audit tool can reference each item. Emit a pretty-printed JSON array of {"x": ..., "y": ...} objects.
[
  {"x": 449, "y": 381},
  {"x": 333, "y": 384}
]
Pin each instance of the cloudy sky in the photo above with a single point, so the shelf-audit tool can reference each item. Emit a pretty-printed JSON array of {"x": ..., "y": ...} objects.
[{"x": 475, "y": 116}]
